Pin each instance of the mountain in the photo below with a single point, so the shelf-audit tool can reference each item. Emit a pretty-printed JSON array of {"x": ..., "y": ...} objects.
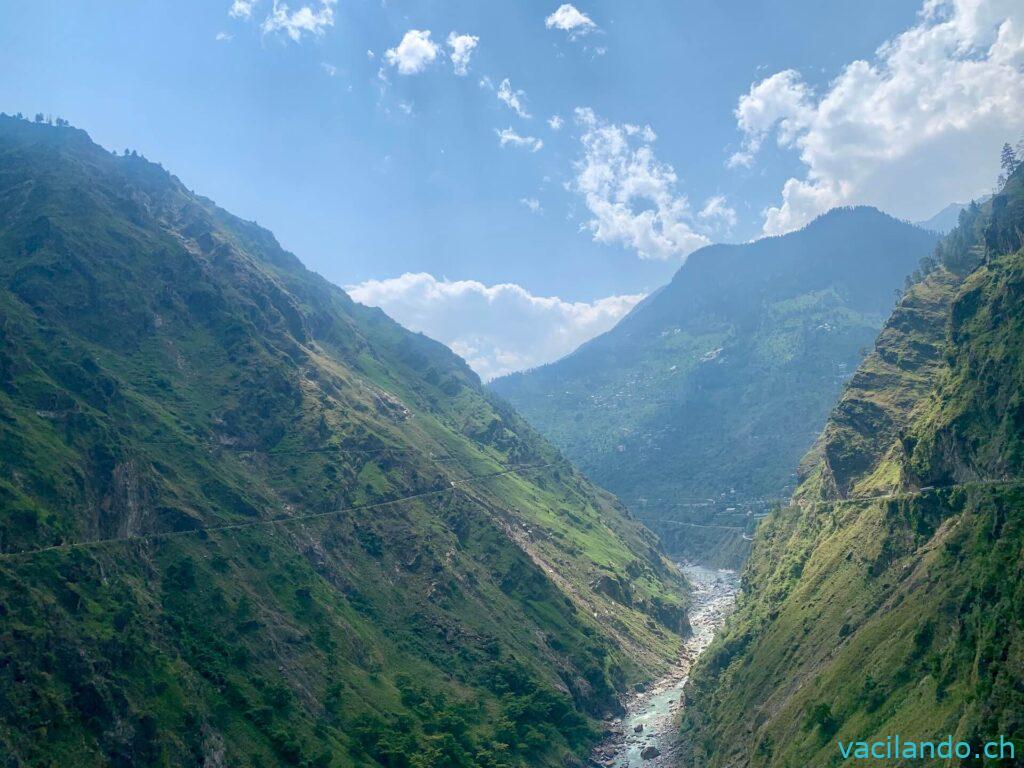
[
  {"x": 245, "y": 521},
  {"x": 697, "y": 406},
  {"x": 945, "y": 220},
  {"x": 889, "y": 597}
]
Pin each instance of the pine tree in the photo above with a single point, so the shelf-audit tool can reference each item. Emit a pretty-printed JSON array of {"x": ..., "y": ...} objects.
[{"x": 1008, "y": 159}]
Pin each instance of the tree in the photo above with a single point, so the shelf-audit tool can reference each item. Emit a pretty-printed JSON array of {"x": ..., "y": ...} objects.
[
  {"x": 1008, "y": 159},
  {"x": 39, "y": 117}
]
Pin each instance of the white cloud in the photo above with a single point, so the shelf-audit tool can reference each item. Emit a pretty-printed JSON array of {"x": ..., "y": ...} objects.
[
  {"x": 917, "y": 126},
  {"x": 329, "y": 68},
  {"x": 224, "y": 37},
  {"x": 780, "y": 103},
  {"x": 304, "y": 21},
  {"x": 512, "y": 99},
  {"x": 462, "y": 47},
  {"x": 555, "y": 123},
  {"x": 570, "y": 19},
  {"x": 241, "y": 9},
  {"x": 414, "y": 53},
  {"x": 508, "y": 136},
  {"x": 532, "y": 203},
  {"x": 630, "y": 194},
  {"x": 497, "y": 329},
  {"x": 370, "y": 54},
  {"x": 716, "y": 210},
  {"x": 742, "y": 159}
]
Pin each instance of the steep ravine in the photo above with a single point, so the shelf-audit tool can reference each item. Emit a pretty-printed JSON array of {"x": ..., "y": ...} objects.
[
  {"x": 889, "y": 598},
  {"x": 651, "y": 718}
]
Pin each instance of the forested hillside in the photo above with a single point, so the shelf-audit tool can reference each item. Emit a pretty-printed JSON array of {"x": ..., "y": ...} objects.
[
  {"x": 247, "y": 522},
  {"x": 889, "y": 597},
  {"x": 696, "y": 408}
]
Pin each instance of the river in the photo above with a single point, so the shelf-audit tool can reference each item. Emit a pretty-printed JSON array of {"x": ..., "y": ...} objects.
[{"x": 656, "y": 711}]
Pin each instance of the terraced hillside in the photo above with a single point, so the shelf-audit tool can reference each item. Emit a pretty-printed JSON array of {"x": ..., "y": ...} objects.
[
  {"x": 889, "y": 598},
  {"x": 696, "y": 408},
  {"x": 247, "y": 522}
]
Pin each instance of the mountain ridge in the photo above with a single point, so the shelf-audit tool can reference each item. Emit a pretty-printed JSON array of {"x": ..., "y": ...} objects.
[
  {"x": 247, "y": 521},
  {"x": 696, "y": 406}
]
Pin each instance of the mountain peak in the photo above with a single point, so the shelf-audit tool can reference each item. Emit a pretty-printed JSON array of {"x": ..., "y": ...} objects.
[{"x": 719, "y": 381}]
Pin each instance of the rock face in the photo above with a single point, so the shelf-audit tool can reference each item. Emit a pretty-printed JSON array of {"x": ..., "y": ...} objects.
[
  {"x": 696, "y": 408},
  {"x": 615, "y": 588},
  {"x": 234, "y": 503},
  {"x": 672, "y": 616},
  {"x": 650, "y": 752}
]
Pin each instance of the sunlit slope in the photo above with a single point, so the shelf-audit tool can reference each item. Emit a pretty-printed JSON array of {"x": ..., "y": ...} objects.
[
  {"x": 247, "y": 522},
  {"x": 697, "y": 407},
  {"x": 889, "y": 599}
]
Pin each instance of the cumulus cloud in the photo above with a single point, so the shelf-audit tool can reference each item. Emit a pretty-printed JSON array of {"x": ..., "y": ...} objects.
[
  {"x": 508, "y": 137},
  {"x": 414, "y": 53},
  {"x": 631, "y": 195},
  {"x": 512, "y": 99},
  {"x": 570, "y": 19},
  {"x": 917, "y": 126},
  {"x": 498, "y": 329},
  {"x": 555, "y": 122},
  {"x": 241, "y": 9},
  {"x": 717, "y": 211},
  {"x": 304, "y": 21},
  {"x": 781, "y": 103},
  {"x": 462, "y": 47}
]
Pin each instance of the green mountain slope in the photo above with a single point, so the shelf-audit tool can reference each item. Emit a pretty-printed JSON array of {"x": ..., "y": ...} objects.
[
  {"x": 889, "y": 598},
  {"x": 696, "y": 408},
  {"x": 247, "y": 522}
]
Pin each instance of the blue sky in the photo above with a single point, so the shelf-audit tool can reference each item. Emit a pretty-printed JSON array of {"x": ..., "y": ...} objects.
[{"x": 681, "y": 124}]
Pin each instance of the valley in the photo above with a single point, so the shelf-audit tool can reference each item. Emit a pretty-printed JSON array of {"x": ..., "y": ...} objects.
[
  {"x": 648, "y": 734},
  {"x": 247, "y": 521},
  {"x": 696, "y": 408}
]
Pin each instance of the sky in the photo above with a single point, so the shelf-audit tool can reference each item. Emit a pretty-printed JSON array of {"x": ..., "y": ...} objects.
[{"x": 512, "y": 177}]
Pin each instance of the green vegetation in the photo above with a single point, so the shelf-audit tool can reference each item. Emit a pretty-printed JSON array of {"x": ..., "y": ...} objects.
[
  {"x": 889, "y": 598},
  {"x": 696, "y": 408},
  {"x": 247, "y": 522}
]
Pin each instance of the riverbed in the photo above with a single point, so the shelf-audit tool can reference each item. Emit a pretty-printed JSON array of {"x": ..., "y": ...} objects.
[{"x": 652, "y": 716}]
